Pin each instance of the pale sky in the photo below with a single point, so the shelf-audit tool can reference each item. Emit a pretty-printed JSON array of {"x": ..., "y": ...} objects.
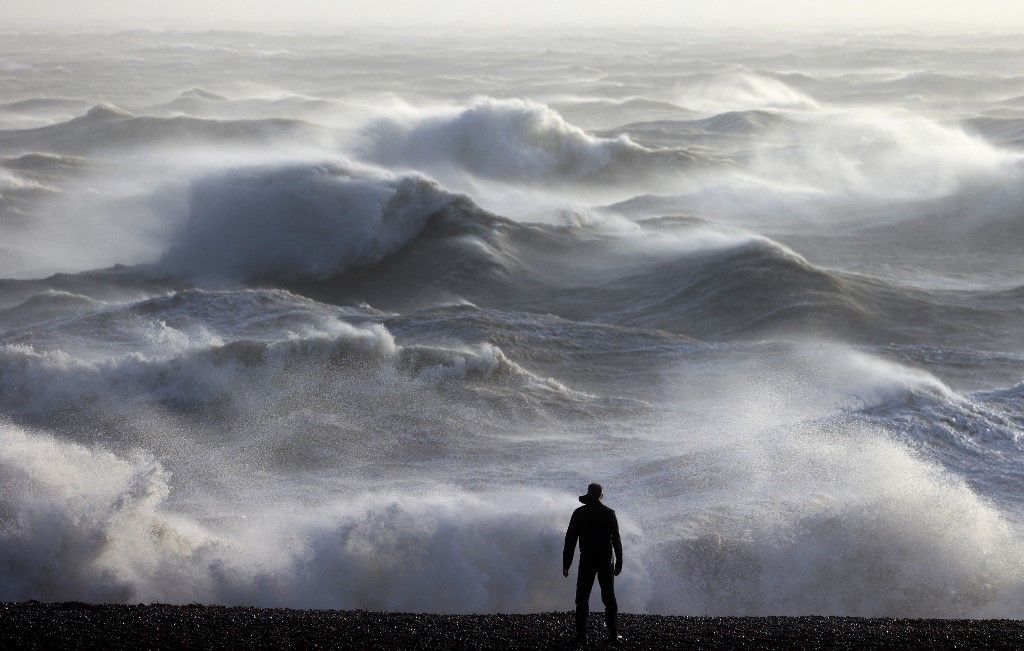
[{"x": 801, "y": 13}]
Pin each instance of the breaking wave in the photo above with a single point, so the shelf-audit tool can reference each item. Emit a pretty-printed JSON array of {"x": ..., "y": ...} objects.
[
  {"x": 299, "y": 222},
  {"x": 879, "y": 527},
  {"x": 511, "y": 140},
  {"x": 86, "y": 524},
  {"x": 98, "y": 526}
]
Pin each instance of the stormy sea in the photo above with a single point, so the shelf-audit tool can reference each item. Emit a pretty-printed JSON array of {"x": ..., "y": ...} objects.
[{"x": 348, "y": 319}]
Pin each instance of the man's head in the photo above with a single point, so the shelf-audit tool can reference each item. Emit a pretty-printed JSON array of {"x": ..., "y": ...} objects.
[{"x": 594, "y": 493}]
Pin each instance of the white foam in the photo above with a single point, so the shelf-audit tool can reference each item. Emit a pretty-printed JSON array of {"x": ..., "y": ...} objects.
[
  {"x": 77, "y": 523},
  {"x": 843, "y": 522},
  {"x": 820, "y": 523},
  {"x": 878, "y": 153}
]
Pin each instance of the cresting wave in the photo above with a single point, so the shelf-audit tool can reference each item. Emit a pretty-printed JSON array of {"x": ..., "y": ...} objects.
[
  {"x": 202, "y": 377},
  {"x": 515, "y": 140},
  {"x": 308, "y": 221}
]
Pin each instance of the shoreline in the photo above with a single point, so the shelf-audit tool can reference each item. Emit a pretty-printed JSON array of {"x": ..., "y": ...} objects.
[{"x": 32, "y": 624}]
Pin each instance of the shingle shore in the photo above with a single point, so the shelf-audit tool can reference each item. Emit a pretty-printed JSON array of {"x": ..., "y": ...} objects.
[{"x": 35, "y": 625}]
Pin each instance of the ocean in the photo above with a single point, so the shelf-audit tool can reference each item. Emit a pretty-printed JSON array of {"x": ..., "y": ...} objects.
[{"x": 347, "y": 319}]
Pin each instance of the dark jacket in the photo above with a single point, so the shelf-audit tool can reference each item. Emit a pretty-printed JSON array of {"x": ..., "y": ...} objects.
[{"x": 597, "y": 530}]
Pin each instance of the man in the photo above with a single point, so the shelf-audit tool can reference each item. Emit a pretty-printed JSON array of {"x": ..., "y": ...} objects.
[{"x": 597, "y": 530}]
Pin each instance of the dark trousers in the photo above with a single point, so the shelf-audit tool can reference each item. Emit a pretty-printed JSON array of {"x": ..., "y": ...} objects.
[{"x": 584, "y": 584}]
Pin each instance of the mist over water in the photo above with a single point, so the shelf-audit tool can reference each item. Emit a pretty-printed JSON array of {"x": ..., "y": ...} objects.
[{"x": 348, "y": 321}]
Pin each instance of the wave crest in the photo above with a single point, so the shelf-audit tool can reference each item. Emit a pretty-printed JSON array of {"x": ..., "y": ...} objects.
[
  {"x": 304, "y": 221},
  {"x": 503, "y": 139}
]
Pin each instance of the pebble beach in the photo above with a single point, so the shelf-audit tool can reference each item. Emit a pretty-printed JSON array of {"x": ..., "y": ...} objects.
[{"x": 34, "y": 625}]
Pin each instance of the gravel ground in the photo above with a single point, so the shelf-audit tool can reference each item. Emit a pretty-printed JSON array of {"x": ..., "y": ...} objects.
[{"x": 34, "y": 625}]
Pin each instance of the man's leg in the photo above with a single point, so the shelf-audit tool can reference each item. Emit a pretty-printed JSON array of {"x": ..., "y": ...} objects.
[
  {"x": 584, "y": 584},
  {"x": 606, "y": 579}
]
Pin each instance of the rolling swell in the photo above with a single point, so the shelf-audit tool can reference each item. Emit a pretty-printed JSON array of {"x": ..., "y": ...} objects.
[
  {"x": 730, "y": 286},
  {"x": 723, "y": 129},
  {"x": 106, "y": 129},
  {"x": 350, "y": 236}
]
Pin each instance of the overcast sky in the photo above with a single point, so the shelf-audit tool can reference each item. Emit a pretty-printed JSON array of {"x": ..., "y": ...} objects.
[{"x": 805, "y": 13}]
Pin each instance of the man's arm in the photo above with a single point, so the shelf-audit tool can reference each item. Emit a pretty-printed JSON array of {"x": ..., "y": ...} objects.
[
  {"x": 616, "y": 545},
  {"x": 572, "y": 534}
]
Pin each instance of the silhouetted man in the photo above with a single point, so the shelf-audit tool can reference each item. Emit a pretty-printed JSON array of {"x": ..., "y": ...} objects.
[{"x": 595, "y": 526}]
